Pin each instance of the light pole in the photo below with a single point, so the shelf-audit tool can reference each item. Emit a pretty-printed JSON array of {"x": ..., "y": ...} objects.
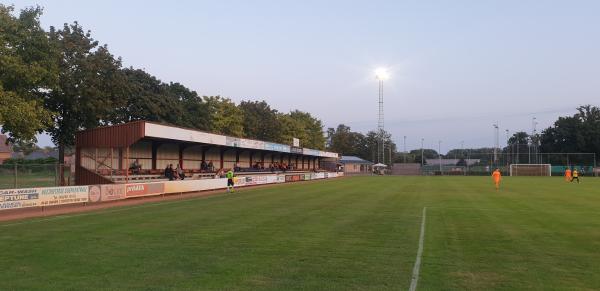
[
  {"x": 496, "y": 142},
  {"x": 533, "y": 124},
  {"x": 440, "y": 155},
  {"x": 381, "y": 74},
  {"x": 507, "y": 150},
  {"x": 422, "y": 140},
  {"x": 405, "y": 149}
]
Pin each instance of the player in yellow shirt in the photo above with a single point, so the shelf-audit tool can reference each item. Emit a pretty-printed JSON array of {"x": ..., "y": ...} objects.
[
  {"x": 568, "y": 175},
  {"x": 497, "y": 177},
  {"x": 230, "y": 180},
  {"x": 575, "y": 176}
]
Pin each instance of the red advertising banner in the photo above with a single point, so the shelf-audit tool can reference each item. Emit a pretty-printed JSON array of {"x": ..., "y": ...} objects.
[{"x": 144, "y": 189}]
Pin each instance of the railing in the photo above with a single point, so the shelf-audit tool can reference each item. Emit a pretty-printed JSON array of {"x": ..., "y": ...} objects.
[{"x": 34, "y": 175}]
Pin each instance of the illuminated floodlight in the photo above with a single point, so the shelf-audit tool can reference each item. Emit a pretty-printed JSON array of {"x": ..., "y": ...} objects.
[{"x": 382, "y": 74}]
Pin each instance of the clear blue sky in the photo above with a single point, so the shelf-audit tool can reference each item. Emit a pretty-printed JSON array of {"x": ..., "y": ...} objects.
[{"x": 456, "y": 66}]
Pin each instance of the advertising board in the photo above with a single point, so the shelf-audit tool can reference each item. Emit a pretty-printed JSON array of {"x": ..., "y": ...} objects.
[
  {"x": 144, "y": 189},
  {"x": 194, "y": 185}
]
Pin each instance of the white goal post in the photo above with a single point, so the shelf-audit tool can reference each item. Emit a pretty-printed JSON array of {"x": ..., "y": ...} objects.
[{"x": 531, "y": 170}]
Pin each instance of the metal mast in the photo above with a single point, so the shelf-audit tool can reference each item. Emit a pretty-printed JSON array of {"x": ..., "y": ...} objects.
[{"x": 380, "y": 125}]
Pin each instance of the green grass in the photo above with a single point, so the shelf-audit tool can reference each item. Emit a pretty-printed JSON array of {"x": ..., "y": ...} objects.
[
  {"x": 29, "y": 179},
  {"x": 356, "y": 233}
]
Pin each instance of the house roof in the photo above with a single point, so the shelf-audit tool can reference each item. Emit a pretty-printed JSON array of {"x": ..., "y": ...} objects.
[
  {"x": 4, "y": 148},
  {"x": 353, "y": 160},
  {"x": 42, "y": 155}
]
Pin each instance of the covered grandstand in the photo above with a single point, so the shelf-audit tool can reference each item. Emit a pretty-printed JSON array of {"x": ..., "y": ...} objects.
[{"x": 106, "y": 154}]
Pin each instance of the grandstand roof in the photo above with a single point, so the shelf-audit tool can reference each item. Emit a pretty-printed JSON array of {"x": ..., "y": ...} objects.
[
  {"x": 353, "y": 160},
  {"x": 127, "y": 134}
]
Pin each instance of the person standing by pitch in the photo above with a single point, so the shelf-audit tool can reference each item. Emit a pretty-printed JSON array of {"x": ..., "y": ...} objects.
[{"x": 230, "y": 182}]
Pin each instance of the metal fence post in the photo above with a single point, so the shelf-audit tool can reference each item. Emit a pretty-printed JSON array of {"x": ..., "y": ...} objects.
[
  {"x": 16, "y": 180},
  {"x": 56, "y": 169}
]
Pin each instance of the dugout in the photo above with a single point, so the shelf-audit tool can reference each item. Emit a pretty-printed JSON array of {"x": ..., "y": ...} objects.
[{"x": 105, "y": 154}]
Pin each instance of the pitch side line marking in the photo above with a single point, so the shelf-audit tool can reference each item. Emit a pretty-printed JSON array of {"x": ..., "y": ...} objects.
[{"x": 416, "y": 268}]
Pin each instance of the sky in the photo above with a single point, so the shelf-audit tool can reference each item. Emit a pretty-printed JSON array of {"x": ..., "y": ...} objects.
[{"x": 456, "y": 67}]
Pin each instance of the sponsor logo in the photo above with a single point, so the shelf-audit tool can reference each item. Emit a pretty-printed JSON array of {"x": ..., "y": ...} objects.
[{"x": 94, "y": 193}]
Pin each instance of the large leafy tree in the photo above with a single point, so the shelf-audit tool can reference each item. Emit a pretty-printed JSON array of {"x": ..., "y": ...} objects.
[
  {"x": 373, "y": 141},
  {"x": 343, "y": 140},
  {"x": 572, "y": 134},
  {"x": 195, "y": 112},
  {"x": 90, "y": 85},
  {"x": 27, "y": 72},
  {"x": 147, "y": 98},
  {"x": 224, "y": 116},
  {"x": 260, "y": 121},
  {"x": 308, "y": 128}
]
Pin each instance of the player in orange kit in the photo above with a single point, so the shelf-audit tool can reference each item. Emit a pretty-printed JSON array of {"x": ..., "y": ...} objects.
[
  {"x": 568, "y": 175},
  {"x": 497, "y": 177}
]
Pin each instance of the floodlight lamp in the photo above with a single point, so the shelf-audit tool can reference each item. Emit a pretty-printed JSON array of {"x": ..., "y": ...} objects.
[{"x": 382, "y": 74}]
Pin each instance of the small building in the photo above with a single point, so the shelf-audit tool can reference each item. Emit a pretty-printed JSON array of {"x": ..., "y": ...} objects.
[
  {"x": 355, "y": 165},
  {"x": 5, "y": 149}
]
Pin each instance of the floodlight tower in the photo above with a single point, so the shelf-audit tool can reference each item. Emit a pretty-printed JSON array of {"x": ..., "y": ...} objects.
[
  {"x": 381, "y": 74},
  {"x": 507, "y": 149},
  {"x": 405, "y": 152},
  {"x": 531, "y": 141},
  {"x": 422, "y": 140},
  {"x": 440, "y": 155},
  {"x": 496, "y": 141}
]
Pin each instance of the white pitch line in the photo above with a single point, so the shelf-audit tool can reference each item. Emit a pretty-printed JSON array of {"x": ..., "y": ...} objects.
[{"x": 417, "y": 267}]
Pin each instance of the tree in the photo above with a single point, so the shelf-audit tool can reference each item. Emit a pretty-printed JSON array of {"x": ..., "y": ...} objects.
[
  {"x": 427, "y": 154},
  {"x": 572, "y": 134},
  {"x": 25, "y": 147},
  {"x": 90, "y": 85},
  {"x": 147, "y": 98},
  {"x": 260, "y": 121},
  {"x": 372, "y": 142},
  {"x": 194, "y": 110},
  {"x": 343, "y": 140},
  {"x": 290, "y": 128},
  {"x": 27, "y": 71},
  {"x": 310, "y": 128},
  {"x": 225, "y": 116}
]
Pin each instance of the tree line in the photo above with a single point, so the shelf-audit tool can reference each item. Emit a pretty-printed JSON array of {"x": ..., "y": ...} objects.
[
  {"x": 579, "y": 133},
  {"x": 62, "y": 80}
]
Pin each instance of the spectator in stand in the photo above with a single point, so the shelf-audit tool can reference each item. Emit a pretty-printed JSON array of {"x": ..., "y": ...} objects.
[
  {"x": 180, "y": 172},
  {"x": 203, "y": 166},
  {"x": 211, "y": 167},
  {"x": 136, "y": 167},
  {"x": 236, "y": 167},
  {"x": 271, "y": 168},
  {"x": 175, "y": 173},
  {"x": 169, "y": 172}
]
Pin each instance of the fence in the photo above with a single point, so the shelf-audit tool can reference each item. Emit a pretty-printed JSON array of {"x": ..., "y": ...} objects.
[
  {"x": 34, "y": 175},
  {"x": 475, "y": 164}
]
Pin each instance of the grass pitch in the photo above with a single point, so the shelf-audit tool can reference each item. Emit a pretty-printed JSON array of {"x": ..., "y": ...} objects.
[{"x": 356, "y": 233}]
